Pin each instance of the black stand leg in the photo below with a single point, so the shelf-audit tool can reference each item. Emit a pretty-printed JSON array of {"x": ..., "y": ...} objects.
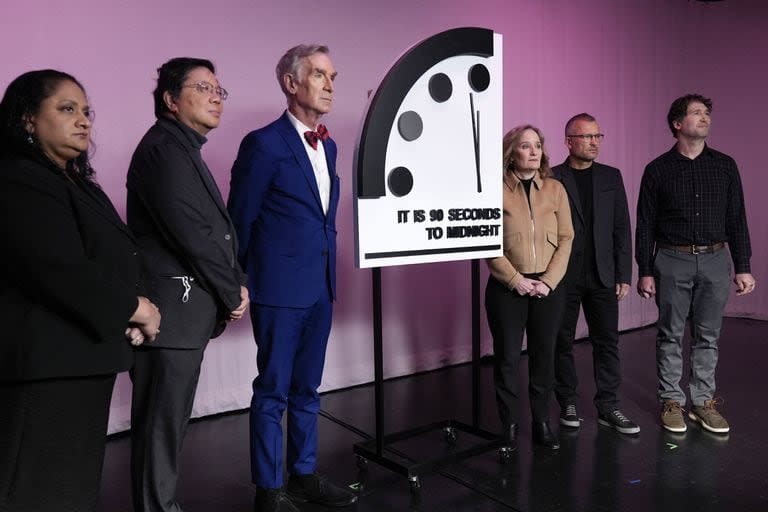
[
  {"x": 376, "y": 449},
  {"x": 475, "y": 343},
  {"x": 378, "y": 359}
]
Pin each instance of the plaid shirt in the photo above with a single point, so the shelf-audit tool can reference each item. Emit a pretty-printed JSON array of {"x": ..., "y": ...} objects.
[{"x": 691, "y": 202}]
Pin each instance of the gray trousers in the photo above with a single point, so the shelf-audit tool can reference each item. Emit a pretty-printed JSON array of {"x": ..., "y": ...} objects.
[
  {"x": 164, "y": 385},
  {"x": 695, "y": 287}
]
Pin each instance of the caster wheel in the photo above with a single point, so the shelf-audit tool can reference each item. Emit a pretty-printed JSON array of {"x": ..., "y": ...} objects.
[
  {"x": 505, "y": 454},
  {"x": 415, "y": 484},
  {"x": 450, "y": 435}
]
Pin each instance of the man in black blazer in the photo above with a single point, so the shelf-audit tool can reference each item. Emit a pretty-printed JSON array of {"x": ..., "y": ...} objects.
[
  {"x": 189, "y": 258},
  {"x": 598, "y": 276}
]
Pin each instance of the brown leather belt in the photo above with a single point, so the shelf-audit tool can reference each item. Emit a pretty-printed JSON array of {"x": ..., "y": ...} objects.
[{"x": 692, "y": 249}]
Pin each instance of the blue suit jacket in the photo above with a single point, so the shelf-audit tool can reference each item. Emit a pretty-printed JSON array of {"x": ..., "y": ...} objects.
[{"x": 287, "y": 243}]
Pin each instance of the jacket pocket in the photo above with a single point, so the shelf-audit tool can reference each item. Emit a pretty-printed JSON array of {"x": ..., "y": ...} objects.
[{"x": 552, "y": 238}]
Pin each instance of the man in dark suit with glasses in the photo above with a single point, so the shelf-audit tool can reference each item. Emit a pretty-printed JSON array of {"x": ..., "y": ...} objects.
[{"x": 598, "y": 276}]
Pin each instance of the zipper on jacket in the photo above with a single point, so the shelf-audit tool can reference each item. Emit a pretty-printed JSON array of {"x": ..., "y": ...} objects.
[{"x": 533, "y": 231}]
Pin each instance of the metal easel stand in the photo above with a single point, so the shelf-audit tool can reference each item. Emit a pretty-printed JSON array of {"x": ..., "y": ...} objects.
[{"x": 377, "y": 451}]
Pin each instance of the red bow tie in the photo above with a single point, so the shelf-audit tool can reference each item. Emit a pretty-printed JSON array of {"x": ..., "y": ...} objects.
[{"x": 320, "y": 134}]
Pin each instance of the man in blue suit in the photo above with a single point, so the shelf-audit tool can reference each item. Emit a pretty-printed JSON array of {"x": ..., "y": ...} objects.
[{"x": 283, "y": 198}]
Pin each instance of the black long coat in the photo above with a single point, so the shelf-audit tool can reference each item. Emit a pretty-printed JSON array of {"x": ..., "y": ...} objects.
[{"x": 69, "y": 276}]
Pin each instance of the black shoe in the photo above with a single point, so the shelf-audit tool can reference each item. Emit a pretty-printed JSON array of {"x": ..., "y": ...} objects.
[
  {"x": 316, "y": 489},
  {"x": 273, "y": 500},
  {"x": 615, "y": 419},
  {"x": 543, "y": 436},
  {"x": 509, "y": 437},
  {"x": 569, "y": 416}
]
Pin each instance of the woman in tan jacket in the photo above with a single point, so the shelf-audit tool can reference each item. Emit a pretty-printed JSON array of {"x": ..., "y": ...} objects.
[{"x": 522, "y": 294}]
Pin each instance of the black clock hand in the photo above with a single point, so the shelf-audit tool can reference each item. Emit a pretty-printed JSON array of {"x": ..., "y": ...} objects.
[{"x": 476, "y": 139}]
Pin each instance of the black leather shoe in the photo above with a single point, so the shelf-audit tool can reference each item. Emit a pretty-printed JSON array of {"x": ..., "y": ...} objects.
[
  {"x": 509, "y": 437},
  {"x": 316, "y": 489},
  {"x": 543, "y": 436},
  {"x": 272, "y": 500}
]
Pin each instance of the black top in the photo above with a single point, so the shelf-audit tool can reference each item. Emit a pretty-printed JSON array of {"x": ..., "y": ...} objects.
[
  {"x": 583, "y": 178},
  {"x": 187, "y": 240},
  {"x": 691, "y": 202},
  {"x": 69, "y": 276},
  {"x": 527, "y": 187}
]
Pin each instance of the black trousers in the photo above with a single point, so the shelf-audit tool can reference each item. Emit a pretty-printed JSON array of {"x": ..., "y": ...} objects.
[
  {"x": 510, "y": 315},
  {"x": 601, "y": 311},
  {"x": 52, "y": 438},
  {"x": 164, "y": 385}
]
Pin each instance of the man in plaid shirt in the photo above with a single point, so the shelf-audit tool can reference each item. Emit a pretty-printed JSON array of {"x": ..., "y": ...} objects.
[{"x": 691, "y": 204}]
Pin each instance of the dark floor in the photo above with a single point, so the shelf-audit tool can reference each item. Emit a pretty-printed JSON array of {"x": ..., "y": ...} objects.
[{"x": 596, "y": 469}]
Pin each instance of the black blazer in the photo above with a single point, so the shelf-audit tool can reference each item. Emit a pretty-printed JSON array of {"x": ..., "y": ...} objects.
[
  {"x": 612, "y": 233},
  {"x": 186, "y": 238},
  {"x": 69, "y": 276}
]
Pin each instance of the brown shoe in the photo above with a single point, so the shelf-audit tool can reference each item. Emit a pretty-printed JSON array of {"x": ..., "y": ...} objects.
[
  {"x": 672, "y": 416},
  {"x": 709, "y": 418}
]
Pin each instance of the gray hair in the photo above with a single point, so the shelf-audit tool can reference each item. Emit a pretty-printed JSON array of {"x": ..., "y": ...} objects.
[{"x": 290, "y": 62}]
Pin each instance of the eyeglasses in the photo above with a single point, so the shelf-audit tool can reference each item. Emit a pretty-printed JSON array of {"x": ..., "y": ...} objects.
[
  {"x": 597, "y": 137},
  {"x": 208, "y": 88}
]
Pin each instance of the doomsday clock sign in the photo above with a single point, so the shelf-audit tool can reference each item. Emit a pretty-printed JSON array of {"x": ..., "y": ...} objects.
[{"x": 428, "y": 165}]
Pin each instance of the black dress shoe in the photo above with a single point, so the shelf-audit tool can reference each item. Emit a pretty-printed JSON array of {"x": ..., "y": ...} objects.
[
  {"x": 316, "y": 489},
  {"x": 509, "y": 437},
  {"x": 543, "y": 436},
  {"x": 272, "y": 500}
]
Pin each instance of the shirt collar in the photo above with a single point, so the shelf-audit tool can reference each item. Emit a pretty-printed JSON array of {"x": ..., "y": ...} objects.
[
  {"x": 514, "y": 180},
  {"x": 567, "y": 164},
  {"x": 298, "y": 125},
  {"x": 679, "y": 156}
]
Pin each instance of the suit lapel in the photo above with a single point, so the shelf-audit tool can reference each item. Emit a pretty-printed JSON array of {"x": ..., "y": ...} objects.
[
  {"x": 597, "y": 187},
  {"x": 330, "y": 158},
  {"x": 212, "y": 188},
  {"x": 95, "y": 199},
  {"x": 292, "y": 139},
  {"x": 202, "y": 171}
]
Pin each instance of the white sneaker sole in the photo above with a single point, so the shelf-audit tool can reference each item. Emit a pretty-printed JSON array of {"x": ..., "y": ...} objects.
[
  {"x": 568, "y": 423},
  {"x": 675, "y": 429},
  {"x": 707, "y": 426},
  {"x": 623, "y": 430}
]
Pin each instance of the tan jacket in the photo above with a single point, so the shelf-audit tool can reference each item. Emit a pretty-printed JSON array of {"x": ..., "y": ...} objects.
[{"x": 536, "y": 239}]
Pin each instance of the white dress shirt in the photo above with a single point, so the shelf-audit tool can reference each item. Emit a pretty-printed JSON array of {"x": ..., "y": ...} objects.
[{"x": 318, "y": 161}]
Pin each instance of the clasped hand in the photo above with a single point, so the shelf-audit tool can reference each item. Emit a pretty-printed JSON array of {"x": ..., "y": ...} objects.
[
  {"x": 144, "y": 324},
  {"x": 238, "y": 312},
  {"x": 532, "y": 288}
]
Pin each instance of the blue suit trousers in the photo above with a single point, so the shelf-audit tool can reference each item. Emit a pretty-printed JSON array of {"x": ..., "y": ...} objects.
[{"x": 291, "y": 353}]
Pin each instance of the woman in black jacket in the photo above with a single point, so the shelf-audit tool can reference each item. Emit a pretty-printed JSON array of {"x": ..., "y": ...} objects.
[{"x": 70, "y": 299}]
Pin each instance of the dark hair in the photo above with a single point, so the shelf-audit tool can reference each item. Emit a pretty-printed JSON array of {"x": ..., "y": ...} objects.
[
  {"x": 510, "y": 142},
  {"x": 579, "y": 117},
  {"x": 679, "y": 109},
  {"x": 22, "y": 99},
  {"x": 172, "y": 75}
]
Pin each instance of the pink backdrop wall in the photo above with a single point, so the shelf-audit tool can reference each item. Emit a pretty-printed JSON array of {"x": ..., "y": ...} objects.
[{"x": 622, "y": 61}]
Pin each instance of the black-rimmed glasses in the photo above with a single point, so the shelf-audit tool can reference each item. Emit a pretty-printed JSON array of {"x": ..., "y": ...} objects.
[{"x": 597, "y": 137}]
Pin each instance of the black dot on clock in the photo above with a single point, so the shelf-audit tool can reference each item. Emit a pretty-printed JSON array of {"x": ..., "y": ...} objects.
[
  {"x": 440, "y": 87},
  {"x": 409, "y": 125},
  {"x": 400, "y": 181},
  {"x": 479, "y": 77}
]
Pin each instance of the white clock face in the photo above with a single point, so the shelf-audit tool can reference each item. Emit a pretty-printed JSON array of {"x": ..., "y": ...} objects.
[{"x": 442, "y": 167}]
